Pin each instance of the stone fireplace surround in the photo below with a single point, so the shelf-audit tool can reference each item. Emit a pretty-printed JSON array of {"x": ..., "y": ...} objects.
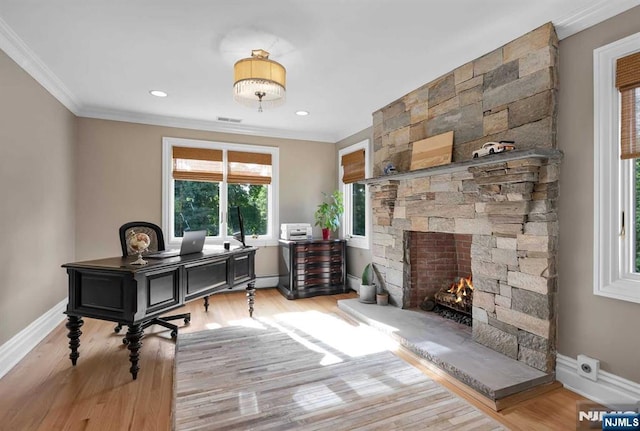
[{"x": 507, "y": 203}]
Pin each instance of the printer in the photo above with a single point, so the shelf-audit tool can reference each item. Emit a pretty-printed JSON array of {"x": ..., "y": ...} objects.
[{"x": 295, "y": 231}]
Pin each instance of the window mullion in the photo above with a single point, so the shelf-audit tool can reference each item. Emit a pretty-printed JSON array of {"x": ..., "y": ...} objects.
[{"x": 224, "y": 206}]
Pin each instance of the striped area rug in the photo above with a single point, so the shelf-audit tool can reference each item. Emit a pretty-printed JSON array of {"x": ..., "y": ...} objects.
[{"x": 275, "y": 378}]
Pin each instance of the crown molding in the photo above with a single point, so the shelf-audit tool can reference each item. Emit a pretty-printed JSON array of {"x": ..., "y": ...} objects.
[
  {"x": 19, "y": 52},
  {"x": 599, "y": 11},
  {"x": 212, "y": 126}
]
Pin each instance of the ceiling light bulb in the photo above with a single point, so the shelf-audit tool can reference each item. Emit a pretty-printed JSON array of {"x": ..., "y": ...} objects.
[
  {"x": 302, "y": 113},
  {"x": 158, "y": 93}
]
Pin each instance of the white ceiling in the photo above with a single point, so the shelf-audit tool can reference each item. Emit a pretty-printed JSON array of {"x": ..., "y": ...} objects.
[{"x": 344, "y": 58}]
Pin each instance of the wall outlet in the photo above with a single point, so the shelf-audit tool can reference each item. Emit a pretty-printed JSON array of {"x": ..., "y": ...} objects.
[{"x": 588, "y": 367}]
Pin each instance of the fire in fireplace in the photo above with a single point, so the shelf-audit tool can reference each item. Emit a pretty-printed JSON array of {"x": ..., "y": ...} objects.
[{"x": 454, "y": 302}]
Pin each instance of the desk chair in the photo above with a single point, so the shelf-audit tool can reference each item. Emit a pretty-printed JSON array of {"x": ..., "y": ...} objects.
[{"x": 157, "y": 244}]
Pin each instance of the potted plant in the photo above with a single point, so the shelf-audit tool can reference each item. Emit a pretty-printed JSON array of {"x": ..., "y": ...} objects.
[
  {"x": 328, "y": 213},
  {"x": 367, "y": 292},
  {"x": 382, "y": 296}
]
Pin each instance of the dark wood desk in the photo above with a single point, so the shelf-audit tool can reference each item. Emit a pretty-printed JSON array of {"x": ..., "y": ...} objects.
[{"x": 113, "y": 289}]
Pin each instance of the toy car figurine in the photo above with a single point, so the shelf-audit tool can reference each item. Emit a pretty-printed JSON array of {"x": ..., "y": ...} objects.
[{"x": 494, "y": 147}]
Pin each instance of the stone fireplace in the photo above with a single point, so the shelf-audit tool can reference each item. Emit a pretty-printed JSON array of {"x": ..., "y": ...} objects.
[{"x": 504, "y": 206}]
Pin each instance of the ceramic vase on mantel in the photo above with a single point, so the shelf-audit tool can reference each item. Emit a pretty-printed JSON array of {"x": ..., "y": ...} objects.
[{"x": 326, "y": 233}]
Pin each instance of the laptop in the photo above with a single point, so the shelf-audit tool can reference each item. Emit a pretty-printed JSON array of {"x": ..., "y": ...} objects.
[{"x": 192, "y": 242}]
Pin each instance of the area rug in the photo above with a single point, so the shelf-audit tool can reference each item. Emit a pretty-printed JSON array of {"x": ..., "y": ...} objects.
[{"x": 275, "y": 378}]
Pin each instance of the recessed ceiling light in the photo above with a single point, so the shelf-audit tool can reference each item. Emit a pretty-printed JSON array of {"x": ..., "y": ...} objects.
[
  {"x": 302, "y": 113},
  {"x": 158, "y": 93}
]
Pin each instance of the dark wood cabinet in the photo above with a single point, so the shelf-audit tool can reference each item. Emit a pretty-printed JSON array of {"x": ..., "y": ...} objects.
[{"x": 313, "y": 267}]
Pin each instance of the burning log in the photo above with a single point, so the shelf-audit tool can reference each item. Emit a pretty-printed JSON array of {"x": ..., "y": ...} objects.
[{"x": 459, "y": 296}]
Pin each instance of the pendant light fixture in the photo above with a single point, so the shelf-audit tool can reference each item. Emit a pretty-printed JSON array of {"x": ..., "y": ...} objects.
[{"x": 259, "y": 81}]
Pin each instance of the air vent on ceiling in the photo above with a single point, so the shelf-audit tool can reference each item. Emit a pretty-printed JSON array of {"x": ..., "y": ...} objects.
[{"x": 230, "y": 120}]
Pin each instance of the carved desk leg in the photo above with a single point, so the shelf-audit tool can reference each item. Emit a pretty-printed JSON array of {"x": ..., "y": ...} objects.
[
  {"x": 134, "y": 334},
  {"x": 206, "y": 303},
  {"x": 251, "y": 295},
  {"x": 73, "y": 325}
]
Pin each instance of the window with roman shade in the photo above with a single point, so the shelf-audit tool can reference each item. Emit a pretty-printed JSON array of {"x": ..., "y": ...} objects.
[
  {"x": 248, "y": 168},
  {"x": 197, "y": 164},
  {"x": 353, "y": 167},
  {"x": 202, "y": 180},
  {"x": 628, "y": 83}
]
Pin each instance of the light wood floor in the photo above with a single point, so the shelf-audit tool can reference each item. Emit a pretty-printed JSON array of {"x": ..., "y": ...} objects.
[{"x": 44, "y": 392}]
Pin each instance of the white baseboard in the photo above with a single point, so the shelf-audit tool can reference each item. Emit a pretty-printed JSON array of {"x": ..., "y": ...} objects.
[
  {"x": 353, "y": 282},
  {"x": 608, "y": 390},
  {"x": 21, "y": 344}
]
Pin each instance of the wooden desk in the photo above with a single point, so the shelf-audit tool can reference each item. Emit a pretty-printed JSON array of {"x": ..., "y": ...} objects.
[{"x": 113, "y": 289}]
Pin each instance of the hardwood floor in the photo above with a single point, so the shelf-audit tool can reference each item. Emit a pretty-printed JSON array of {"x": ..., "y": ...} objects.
[{"x": 44, "y": 392}]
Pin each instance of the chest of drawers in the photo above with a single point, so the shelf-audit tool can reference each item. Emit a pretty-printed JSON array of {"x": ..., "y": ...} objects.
[{"x": 313, "y": 267}]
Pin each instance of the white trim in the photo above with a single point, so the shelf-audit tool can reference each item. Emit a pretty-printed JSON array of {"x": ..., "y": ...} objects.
[
  {"x": 12, "y": 351},
  {"x": 270, "y": 239},
  {"x": 609, "y": 389},
  {"x": 353, "y": 283},
  {"x": 353, "y": 241},
  {"x": 19, "y": 52},
  {"x": 589, "y": 16},
  {"x": 212, "y": 126},
  {"x": 613, "y": 276}
]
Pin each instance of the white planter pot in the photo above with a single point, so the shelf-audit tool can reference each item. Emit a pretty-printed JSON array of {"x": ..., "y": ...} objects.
[{"x": 368, "y": 293}]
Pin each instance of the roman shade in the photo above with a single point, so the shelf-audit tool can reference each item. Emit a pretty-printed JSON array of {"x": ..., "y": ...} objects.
[
  {"x": 353, "y": 167},
  {"x": 628, "y": 83},
  {"x": 197, "y": 164},
  {"x": 248, "y": 168}
]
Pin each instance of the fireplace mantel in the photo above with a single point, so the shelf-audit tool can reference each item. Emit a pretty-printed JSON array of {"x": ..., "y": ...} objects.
[{"x": 538, "y": 153}]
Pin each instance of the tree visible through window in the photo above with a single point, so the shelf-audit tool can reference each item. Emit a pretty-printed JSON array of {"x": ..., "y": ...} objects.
[
  {"x": 358, "y": 196},
  {"x": 196, "y": 207},
  {"x": 252, "y": 200}
]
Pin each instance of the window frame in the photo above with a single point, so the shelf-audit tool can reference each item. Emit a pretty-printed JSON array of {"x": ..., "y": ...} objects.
[
  {"x": 270, "y": 239},
  {"x": 614, "y": 275},
  {"x": 357, "y": 241}
]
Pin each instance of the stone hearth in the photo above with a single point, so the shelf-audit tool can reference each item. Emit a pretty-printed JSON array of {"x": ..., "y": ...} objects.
[{"x": 449, "y": 346}]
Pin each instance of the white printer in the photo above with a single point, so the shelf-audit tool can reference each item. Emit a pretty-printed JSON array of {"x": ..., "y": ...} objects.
[{"x": 295, "y": 231}]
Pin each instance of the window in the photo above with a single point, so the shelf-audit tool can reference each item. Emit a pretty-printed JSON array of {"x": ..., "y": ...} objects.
[
  {"x": 617, "y": 170},
  {"x": 202, "y": 179},
  {"x": 354, "y": 166}
]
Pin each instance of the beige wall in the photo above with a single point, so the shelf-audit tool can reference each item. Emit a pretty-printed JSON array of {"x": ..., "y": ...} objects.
[
  {"x": 36, "y": 198},
  {"x": 357, "y": 258},
  {"x": 119, "y": 179},
  {"x": 600, "y": 327}
]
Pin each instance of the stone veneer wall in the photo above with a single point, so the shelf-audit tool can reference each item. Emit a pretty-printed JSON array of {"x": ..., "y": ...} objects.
[
  {"x": 509, "y": 208},
  {"x": 509, "y": 93}
]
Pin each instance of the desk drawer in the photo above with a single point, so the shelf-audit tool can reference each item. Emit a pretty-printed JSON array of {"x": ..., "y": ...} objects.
[
  {"x": 162, "y": 290},
  {"x": 207, "y": 277}
]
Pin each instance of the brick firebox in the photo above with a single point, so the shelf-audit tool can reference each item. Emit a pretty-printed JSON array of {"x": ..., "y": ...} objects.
[
  {"x": 437, "y": 259},
  {"x": 509, "y": 208}
]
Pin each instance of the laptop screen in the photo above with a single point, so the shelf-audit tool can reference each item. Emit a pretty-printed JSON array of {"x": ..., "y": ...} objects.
[{"x": 193, "y": 241}]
